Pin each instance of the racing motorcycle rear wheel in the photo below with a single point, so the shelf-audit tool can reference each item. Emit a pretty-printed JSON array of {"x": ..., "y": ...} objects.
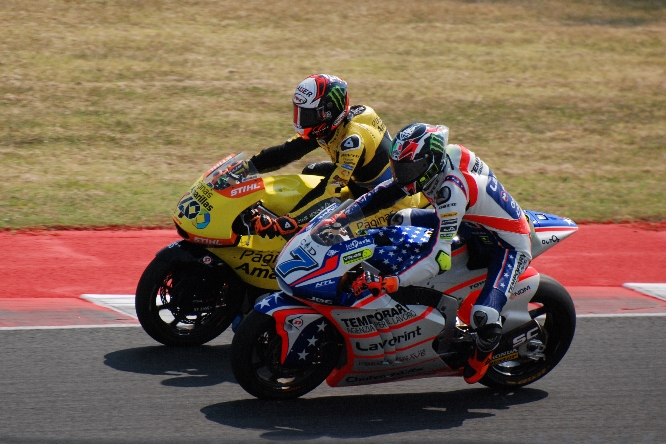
[
  {"x": 553, "y": 309},
  {"x": 255, "y": 361},
  {"x": 185, "y": 303}
]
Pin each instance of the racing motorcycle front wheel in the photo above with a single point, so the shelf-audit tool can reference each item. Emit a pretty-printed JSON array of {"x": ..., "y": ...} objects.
[
  {"x": 554, "y": 310},
  {"x": 255, "y": 361},
  {"x": 185, "y": 303}
]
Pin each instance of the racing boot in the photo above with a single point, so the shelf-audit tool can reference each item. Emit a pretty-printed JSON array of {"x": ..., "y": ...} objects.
[{"x": 487, "y": 339}]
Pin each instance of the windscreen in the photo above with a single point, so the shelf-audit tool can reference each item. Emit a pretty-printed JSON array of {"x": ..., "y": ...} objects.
[
  {"x": 332, "y": 225},
  {"x": 230, "y": 171}
]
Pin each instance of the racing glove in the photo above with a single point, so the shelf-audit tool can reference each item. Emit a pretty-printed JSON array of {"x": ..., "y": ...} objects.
[
  {"x": 286, "y": 226},
  {"x": 375, "y": 284},
  {"x": 265, "y": 225}
]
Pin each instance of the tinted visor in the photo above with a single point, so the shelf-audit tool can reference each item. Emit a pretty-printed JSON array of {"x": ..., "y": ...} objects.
[
  {"x": 407, "y": 172},
  {"x": 308, "y": 117}
]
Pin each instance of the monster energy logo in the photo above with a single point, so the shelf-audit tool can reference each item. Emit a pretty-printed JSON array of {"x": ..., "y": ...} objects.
[
  {"x": 437, "y": 143},
  {"x": 337, "y": 96}
]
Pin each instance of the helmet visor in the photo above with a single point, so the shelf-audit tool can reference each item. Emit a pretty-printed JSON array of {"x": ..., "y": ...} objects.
[
  {"x": 406, "y": 172},
  {"x": 308, "y": 117}
]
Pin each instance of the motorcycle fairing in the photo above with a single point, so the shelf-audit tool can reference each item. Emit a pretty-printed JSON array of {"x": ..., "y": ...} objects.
[
  {"x": 253, "y": 262},
  {"x": 299, "y": 331},
  {"x": 298, "y": 325},
  {"x": 279, "y": 301},
  {"x": 314, "y": 270},
  {"x": 386, "y": 340},
  {"x": 242, "y": 189},
  {"x": 373, "y": 342},
  {"x": 205, "y": 214},
  {"x": 188, "y": 252},
  {"x": 549, "y": 230}
]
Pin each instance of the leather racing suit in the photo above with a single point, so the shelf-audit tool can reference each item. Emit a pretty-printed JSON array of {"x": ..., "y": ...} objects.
[
  {"x": 464, "y": 189},
  {"x": 359, "y": 153}
]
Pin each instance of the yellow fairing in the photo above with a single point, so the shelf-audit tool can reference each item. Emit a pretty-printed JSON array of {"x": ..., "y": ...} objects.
[
  {"x": 253, "y": 263},
  {"x": 284, "y": 192},
  {"x": 207, "y": 215}
]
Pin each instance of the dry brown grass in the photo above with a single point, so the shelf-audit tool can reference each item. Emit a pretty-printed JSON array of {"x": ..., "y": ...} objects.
[{"x": 110, "y": 109}]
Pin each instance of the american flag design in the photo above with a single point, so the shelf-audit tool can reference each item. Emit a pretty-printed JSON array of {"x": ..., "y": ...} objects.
[
  {"x": 400, "y": 247},
  {"x": 307, "y": 337}
]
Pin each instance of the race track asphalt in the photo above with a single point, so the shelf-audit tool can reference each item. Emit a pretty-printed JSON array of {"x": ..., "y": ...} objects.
[{"x": 115, "y": 385}]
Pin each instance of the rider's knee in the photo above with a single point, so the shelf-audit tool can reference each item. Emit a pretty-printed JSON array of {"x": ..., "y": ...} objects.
[
  {"x": 483, "y": 315},
  {"x": 415, "y": 217}
]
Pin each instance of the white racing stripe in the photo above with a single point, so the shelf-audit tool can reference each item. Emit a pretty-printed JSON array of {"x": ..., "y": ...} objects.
[
  {"x": 58, "y": 327},
  {"x": 122, "y": 303},
  {"x": 655, "y": 290}
]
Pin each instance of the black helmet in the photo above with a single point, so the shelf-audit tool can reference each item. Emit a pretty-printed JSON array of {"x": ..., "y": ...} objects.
[
  {"x": 320, "y": 105},
  {"x": 416, "y": 155}
]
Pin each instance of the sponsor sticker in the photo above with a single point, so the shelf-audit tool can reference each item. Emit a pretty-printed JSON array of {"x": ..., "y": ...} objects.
[
  {"x": 504, "y": 357},
  {"x": 356, "y": 256}
]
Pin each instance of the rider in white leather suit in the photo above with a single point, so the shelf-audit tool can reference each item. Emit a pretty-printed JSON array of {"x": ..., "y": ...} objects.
[{"x": 460, "y": 186}]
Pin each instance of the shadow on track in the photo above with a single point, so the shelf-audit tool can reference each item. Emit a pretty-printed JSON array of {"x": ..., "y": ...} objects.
[
  {"x": 190, "y": 366},
  {"x": 364, "y": 416}
]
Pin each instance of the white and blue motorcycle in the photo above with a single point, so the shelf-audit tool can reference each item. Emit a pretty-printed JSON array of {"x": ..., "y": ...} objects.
[{"x": 316, "y": 329}]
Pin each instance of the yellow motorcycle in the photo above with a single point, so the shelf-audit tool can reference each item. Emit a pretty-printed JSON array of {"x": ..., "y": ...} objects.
[{"x": 194, "y": 288}]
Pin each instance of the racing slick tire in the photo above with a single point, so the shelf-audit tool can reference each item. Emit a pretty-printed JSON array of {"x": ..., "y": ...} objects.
[
  {"x": 255, "y": 361},
  {"x": 553, "y": 308},
  {"x": 185, "y": 303}
]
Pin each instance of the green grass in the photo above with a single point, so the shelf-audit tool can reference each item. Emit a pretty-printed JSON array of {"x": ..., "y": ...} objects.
[{"x": 109, "y": 110}]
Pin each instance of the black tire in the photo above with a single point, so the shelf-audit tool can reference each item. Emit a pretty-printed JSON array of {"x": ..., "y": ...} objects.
[
  {"x": 255, "y": 361},
  {"x": 557, "y": 315},
  {"x": 185, "y": 303}
]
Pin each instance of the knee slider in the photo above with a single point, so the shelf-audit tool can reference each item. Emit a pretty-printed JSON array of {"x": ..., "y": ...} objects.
[
  {"x": 482, "y": 315},
  {"x": 401, "y": 217}
]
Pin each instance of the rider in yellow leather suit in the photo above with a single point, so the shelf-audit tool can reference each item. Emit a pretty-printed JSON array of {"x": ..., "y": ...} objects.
[{"x": 355, "y": 138}]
